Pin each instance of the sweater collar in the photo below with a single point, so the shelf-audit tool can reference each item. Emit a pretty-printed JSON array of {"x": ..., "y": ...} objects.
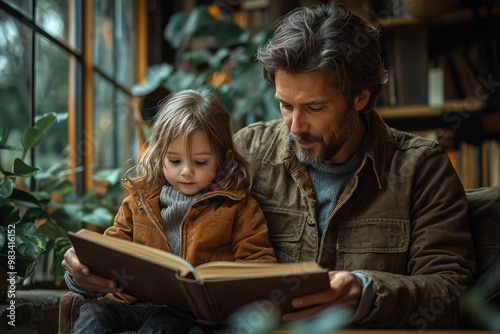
[{"x": 378, "y": 133}]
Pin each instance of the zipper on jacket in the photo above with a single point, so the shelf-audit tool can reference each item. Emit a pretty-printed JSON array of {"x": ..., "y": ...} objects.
[{"x": 150, "y": 215}]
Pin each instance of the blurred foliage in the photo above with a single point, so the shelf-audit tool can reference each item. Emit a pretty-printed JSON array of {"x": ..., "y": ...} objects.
[
  {"x": 262, "y": 317},
  {"x": 218, "y": 56},
  {"x": 43, "y": 216}
]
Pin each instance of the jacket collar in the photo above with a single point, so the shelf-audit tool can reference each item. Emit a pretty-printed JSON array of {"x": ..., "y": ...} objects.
[
  {"x": 280, "y": 152},
  {"x": 140, "y": 189}
]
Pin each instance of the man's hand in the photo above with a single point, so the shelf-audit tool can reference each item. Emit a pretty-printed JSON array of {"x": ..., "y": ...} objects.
[
  {"x": 345, "y": 290},
  {"x": 81, "y": 275}
]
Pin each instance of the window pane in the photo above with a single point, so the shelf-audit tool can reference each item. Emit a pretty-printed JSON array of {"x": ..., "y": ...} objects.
[
  {"x": 25, "y": 6},
  {"x": 15, "y": 63},
  {"x": 58, "y": 18},
  {"x": 125, "y": 42},
  {"x": 52, "y": 84},
  {"x": 127, "y": 150},
  {"x": 104, "y": 124},
  {"x": 103, "y": 36}
]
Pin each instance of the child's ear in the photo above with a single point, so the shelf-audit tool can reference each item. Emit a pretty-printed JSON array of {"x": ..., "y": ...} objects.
[{"x": 361, "y": 100}]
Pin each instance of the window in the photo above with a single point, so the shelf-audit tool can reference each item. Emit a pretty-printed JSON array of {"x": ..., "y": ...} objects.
[{"x": 51, "y": 61}]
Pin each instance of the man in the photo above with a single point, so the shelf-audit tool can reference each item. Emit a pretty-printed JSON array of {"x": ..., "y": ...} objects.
[
  {"x": 340, "y": 187},
  {"x": 382, "y": 209}
]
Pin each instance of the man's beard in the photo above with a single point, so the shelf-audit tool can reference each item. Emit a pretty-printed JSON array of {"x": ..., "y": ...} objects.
[{"x": 330, "y": 147}]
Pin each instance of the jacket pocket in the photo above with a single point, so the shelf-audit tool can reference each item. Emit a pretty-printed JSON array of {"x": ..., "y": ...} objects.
[
  {"x": 286, "y": 228},
  {"x": 373, "y": 244}
]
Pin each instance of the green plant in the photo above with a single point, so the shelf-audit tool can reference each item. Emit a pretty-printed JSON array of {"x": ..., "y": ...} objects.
[
  {"x": 41, "y": 218},
  {"x": 226, "y": 63},
  {"x": 21, "y": 243}
]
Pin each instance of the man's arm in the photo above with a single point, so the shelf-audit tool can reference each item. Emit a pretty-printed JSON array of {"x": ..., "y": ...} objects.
[{"x": 440, "y": 259}]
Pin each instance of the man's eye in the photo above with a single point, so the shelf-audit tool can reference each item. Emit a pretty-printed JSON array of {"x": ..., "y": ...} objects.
[
  {"x": 315, "y": 108},
  {"x": 200, "y": 163},
  {"x": 286, "y": 107}
]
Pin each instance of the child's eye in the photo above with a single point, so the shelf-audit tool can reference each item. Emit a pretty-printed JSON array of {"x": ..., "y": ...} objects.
[
  {"x": 200, "y": 163},
  {"x": 174, "y": 162}
]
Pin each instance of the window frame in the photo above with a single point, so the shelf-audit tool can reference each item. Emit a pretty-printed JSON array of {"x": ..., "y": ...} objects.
[{"x": 81, "y": 96}]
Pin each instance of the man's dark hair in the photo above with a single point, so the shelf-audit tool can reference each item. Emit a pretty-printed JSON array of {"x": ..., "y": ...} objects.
[{"x": 327, "y": 38}]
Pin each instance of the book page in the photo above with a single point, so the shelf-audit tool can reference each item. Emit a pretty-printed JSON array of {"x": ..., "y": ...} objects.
[
  {"x": 150, "y": 253},
  {"x": 237, "y": 269}
]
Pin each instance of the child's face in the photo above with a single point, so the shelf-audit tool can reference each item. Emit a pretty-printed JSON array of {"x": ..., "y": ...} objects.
[{"x": 190, "y": 172}]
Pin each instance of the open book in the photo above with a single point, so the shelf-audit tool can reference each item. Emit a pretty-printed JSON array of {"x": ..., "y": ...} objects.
[{"x": 211, "y": 291}]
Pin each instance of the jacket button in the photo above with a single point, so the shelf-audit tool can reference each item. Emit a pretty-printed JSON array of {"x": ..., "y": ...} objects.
[{"x": 311, "y": 223}]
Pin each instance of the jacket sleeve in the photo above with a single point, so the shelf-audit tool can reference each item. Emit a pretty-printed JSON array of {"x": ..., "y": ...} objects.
[
  {"x": 250, "y": 237},
  {"x": 441, "y": 258},
  {"x": 123, "y": 226}
]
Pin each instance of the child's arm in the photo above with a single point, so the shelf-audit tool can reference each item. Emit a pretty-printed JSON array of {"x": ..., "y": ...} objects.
[
  {"x": 78, "y": 276},
  {"x": 250, "y": 236},
  {"x": 80, "y": 279}
]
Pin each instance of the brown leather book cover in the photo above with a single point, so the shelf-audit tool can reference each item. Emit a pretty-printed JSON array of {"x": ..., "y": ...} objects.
[{"x": 163, "y": 278}]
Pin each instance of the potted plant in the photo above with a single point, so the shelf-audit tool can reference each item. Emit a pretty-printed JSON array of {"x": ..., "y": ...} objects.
[{"x": 224, "y": 63}]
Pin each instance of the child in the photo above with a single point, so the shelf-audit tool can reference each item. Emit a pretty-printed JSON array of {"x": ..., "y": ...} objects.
[{"x": 192, "y": 200}]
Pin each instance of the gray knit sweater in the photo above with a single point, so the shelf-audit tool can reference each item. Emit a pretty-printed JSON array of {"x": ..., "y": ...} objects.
[
  {"x": 329, "y": 182},
  {"x": 174, "y": 205}
]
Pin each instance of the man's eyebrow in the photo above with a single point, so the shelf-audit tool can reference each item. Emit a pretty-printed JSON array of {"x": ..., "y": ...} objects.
[{"x": 304, "y": 104}]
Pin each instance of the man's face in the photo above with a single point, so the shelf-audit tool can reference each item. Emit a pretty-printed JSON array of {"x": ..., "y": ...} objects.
[{"x": 316, "y": 114}]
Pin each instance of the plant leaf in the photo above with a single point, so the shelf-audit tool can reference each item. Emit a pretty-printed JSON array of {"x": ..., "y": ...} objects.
[
  {"x": 8, "y": 214},
  {"x": 60, "y": 246},
  {"x": 65, "y": 221},
  {"x": 51, "y": 230},
  {"x": 6, "y": 187},
  {"x": 44, "y": 121},
  {"x": 2, "y": 237},
  {"x": 22, "y": 169},
  {"x": 111, "y": 175},
  {"x": 155, "y": 76},
  {"x": 62, "y": 187},
  {"x": 100, "y": 217},
  {"x": 30, "y": 138},
  {"x": 180, "y": 80},
  {"x": 32, "y": 214},
  {"x": 32, "y": 240},
  {"x": 5, "y": 134},
  {"x": 24, "y": 198},
  {"x": 173, "y": 32}
]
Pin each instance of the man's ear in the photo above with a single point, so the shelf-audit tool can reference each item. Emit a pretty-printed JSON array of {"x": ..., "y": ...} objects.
[{"x": 361, "y": 100}]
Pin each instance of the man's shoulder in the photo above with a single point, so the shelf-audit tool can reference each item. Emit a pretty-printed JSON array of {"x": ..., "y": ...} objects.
[
  {"x": 253, "y": 136},
  {"x": 404, "y": 140}
]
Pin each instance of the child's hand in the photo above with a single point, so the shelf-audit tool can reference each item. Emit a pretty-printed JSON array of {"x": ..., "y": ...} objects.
[{"x": 82, "y": 276}]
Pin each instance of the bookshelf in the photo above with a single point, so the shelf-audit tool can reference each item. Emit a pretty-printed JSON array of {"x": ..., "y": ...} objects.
[{"x": 444, "y": 84}]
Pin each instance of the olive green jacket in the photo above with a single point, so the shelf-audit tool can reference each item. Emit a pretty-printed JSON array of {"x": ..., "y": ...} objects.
[{"x": 402, "y": 220}]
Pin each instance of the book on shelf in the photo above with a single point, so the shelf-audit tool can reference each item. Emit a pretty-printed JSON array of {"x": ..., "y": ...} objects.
[
  {"x": 410, "y": 57},
  {"x": 211, "y": 291}
]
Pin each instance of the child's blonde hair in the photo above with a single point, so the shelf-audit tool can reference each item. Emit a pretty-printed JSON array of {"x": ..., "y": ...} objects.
[{"x": 182, "y": 115}]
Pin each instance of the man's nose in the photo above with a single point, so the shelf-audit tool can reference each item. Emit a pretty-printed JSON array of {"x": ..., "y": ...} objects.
[{"x": 299, "y": 123}]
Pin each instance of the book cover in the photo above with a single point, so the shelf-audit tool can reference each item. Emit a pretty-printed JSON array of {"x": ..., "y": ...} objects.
[{"x": 211, "y": 291}]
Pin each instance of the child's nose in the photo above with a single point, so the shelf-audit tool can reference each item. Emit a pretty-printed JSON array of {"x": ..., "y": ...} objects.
[{"x": 186, "y": 170}]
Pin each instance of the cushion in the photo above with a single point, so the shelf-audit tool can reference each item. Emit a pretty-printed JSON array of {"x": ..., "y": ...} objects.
[{"x": 484, "y": 220}]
